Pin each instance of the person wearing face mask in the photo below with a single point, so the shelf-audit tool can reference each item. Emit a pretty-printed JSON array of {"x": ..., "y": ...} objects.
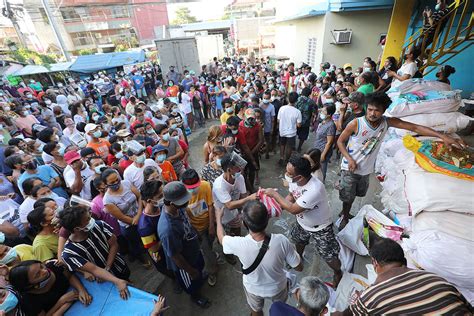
[
  {"x": 100, "y": 145},
  {"x": 200, "y": 212},
  {"x": 175, "y": 152},
  {"x": 215, "y": 98},
  {"x": 134, "y": 172},
  {"x": 264, "y": 277},
  {"x": 228, "y": 110},
  {"x": 407, "y": 70},
  {"x": 76, "y": 174},
  {"x": 47, "y": 175},
  {"x": 152, "y": 198},
  {"x": 44, "y": 288},
  {"x": 172, "y": 89},
  {"x": 173, "y": 75},
  {"x": 93, "y": 248},
  {"x": 351, "y": 108},
  {"x": 212, "y": 170},
  {"x": 253, "y": 133},
  {"x": 307, "y": 107},
  {"x": 214, "y": 138},
  {"x": 160, "y": 153},
  {"x": 45, "y": 244},
  {"x": 139, "y": 84},
  {"x": 181, "y": 242},
  {"x": 230, "y": 194},
  {"x": 399, "y": 290},
  {"x": 11, "y": 256},
  {"x": 24, "y": 121},
  {"x": 308, "y": 200},
  {"x": 325, "y": 135},
  {"x": 365, "y": 83},
  {"x": 123, "y": 201}
]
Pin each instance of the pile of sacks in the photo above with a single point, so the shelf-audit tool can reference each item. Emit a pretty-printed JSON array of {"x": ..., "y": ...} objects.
[{"x": 436, "y": 209}]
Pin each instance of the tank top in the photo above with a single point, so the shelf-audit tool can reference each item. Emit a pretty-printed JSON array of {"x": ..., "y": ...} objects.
[{"x": 364, "y": 145}]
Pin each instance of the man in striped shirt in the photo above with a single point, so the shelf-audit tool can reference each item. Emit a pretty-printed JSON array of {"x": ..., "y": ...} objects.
[
  {"x": 93, "y": 248},
  {"x": 402, "y": 291}
]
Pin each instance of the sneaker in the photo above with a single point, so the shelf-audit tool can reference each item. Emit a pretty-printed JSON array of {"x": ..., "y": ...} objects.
[{"x": 211, "y": 279}]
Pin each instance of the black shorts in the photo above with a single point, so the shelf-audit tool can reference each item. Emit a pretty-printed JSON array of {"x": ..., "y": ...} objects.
[
  {"x": 302, "y": 132},
  {"x": 289, "y": 141}
]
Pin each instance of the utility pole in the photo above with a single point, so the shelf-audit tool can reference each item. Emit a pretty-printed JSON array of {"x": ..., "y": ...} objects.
[
  {"x": 57, "y": 34},
  {"x": 10, "y": 13}
]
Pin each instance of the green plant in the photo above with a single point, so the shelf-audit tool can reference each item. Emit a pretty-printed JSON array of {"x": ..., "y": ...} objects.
[
  {"x": 28, "y": 56},
  {"x": 183, "y": 16}
]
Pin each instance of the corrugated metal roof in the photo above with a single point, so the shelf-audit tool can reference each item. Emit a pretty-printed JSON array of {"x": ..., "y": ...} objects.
[
  {"x": 38, "y": 69},
  {"x": 210, "y": 25},
  {"x": 93, "y": 63}
]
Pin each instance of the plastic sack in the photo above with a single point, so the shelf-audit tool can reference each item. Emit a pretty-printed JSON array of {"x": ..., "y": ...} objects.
[
  {"x": 435, "y": 192},
  {"x": 273, "y": 208},
  {"x": 346, "y": 256},
  {"x": 346, "y": 290},
  {"x": 456, "y": 224},
  {"x": 441, "y": 122},
  {"x": 424, "y": 102},
  {"x": 442, "y": 254},
  {"x": 434, "y": 156},
  {"x": 417, "y": 85},
  {"x": 351, "y": 235}
]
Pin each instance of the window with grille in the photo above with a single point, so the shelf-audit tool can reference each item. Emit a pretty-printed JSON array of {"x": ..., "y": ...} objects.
[
  {"x": 81, "y": 39},
  {"x": 311, "y": 52}
]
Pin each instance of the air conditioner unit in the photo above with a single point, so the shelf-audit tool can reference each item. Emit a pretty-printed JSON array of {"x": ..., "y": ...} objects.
[{"x": 342, "y": 36}]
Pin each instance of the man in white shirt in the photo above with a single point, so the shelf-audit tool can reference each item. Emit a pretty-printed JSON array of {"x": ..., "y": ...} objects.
[
  {"x": 268, "y": 278},
  {"x": 289, "y": 119},
  {"x": 308, "y": 200},
  {"x": 76, "y": 174},
  {"x": 134, "y": 172}
]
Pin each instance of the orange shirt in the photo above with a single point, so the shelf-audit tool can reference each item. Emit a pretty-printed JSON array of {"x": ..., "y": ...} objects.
[
  {"x": 167, "y": 171},
  {"x": 101, "y": 148}
]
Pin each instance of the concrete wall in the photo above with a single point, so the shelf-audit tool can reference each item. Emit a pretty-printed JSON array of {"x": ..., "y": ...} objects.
[
  {"x": 367, "y": 26},
  {"x": 291, "y": 38}
]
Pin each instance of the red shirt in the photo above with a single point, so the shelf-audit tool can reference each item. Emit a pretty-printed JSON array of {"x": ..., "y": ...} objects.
[
  {"x": 250, "y": 134},
  {"x": 240, "y": 135},
  {"x": 132, "y": 126}
]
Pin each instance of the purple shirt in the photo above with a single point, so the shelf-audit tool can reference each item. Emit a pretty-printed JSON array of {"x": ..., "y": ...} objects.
[{"x": 99, "y": 211}]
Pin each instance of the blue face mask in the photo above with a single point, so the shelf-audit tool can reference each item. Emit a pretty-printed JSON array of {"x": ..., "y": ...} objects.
[
  {"x": 161, "y": 158},
  {"x": 62, "y": 150},
  {"x": 236, "y": 175},
  {"x": 174, "y": 126},
  {"x": 166, "y": 137},
  {"x": 9, "y": 303},
  {"x": 9, "y": 256}
]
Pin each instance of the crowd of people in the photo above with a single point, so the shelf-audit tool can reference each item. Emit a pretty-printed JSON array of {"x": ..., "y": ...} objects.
[{"x": 95, "y": 173}]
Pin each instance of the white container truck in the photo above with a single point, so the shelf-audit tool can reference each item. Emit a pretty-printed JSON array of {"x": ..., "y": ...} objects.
[{"x": 189, "y": 52}]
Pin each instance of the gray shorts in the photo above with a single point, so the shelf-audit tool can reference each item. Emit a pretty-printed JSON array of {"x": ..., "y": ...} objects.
[
  {"x": 352, "y": 185},
  {"x": 256, "y": 302},
  {"x": 290, "y": 142},
  {"x": 326, "y": 243}
]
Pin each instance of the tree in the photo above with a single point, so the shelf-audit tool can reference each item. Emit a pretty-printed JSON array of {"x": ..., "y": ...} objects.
[
  {"x": 183, "y": 16},
  {"x": 28, "y": 56}
]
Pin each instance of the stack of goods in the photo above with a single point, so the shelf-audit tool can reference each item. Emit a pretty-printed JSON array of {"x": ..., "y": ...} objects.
[{"x": 429, "y": 187}]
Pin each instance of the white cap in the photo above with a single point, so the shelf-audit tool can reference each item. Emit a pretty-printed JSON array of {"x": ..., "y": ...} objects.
[{"x": 90, "y": 127}]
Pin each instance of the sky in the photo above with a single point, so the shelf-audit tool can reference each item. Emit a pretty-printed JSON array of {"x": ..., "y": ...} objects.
[{"x": 202, "y": 10}]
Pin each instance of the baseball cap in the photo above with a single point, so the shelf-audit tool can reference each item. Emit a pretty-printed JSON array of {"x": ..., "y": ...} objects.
[
  {"x": 133, "y": 147},
  {"x": 90, "y": 127},
  {"x": 123, "y": 133},
  {"x": 347, "y": 65},
  {"x": 157, "y": 148},
  {"x": 190, "y": 178},
  {"x": 176, "y": 193},
  {"x": 357, "y": 97},
  {"x": 249, "y": 113},
  {"x": 71, "y": 156}
]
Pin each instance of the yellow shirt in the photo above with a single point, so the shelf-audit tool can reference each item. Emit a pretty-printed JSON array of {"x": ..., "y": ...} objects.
[
  {"x": 25, "y": 252},
  {"x": 225, "y": 116},
  {"x": 45, "y": 247},
  {"x": 198, "y": 208}
]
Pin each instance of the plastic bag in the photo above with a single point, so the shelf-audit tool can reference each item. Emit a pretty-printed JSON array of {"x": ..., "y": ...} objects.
[
  {"x": 417, "y": 85},
  {"x": 434, "y": 156},
  {"x": 346, "y": 290},
  {"x": 273, "y": 208},
  {"x": 441, "y": 122},
  {"x": 456, "y": 224}
]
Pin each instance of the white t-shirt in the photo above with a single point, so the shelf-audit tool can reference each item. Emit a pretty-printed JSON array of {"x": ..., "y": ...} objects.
[
  {"x": 318, "y": 174},
  {"x": 70, "y": 176},
  {"x": 312, "y": 197},
  {"x": 288, "y": 117},
  {"x": 185, "y": 105},
  {"x": 223, "y": 192},
  {"x": 405, "y": 69},
  {"x": 269, "y": 278},
  {"x": 135, "y": 175},
  {"x": 25, "y": 208}
]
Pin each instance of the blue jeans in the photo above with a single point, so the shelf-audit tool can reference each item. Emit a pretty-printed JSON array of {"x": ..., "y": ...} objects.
[{"x": 324, "y": 164}]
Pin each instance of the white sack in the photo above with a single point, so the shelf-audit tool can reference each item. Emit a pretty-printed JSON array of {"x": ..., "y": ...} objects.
[
  {"x": 460, "y": 225},
  {"x": 442, "y": 122},
  {"x": 345, "y": 293}
]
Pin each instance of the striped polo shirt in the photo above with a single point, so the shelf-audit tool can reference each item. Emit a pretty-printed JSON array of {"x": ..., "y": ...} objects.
[{"x": 414, "y": 292}]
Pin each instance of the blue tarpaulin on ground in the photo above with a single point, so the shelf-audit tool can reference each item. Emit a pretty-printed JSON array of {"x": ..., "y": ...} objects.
[
  {"x": 106, "y": 301},
  {"x": 94, "y": 63}
]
